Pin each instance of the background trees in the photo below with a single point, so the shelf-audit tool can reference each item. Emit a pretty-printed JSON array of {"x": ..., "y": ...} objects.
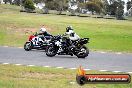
[
  {"x": 17, "y": 2},
  {"x": 60, "y": 5},
  {"x": 105, "y": 9},
  {"x": 129, "y": 4},
  {"x": 116, "y": 8},
  {"x": 28, "y": 5},
  {"x": 94, "y": 6},
  {"x": 72, "y": 7},
  {"x": 8, "y": 1},
  {"x": 110, "y": 7},
  {"x": 120, "y": 10}
]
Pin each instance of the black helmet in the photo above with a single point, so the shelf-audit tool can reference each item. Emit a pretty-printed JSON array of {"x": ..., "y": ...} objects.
[{"x": 69, "y": 28}]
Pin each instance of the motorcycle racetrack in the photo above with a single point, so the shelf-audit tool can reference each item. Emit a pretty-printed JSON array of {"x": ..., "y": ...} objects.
[{"x": 102, "y": 61}]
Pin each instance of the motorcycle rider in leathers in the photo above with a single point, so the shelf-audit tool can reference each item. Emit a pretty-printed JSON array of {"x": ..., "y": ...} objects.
[
  {"x": 43, "y": 34},
  {"x": 72, "y": 36}
]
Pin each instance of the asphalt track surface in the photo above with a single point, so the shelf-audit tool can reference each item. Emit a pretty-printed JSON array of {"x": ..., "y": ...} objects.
[{"x": 95, "y": 61}]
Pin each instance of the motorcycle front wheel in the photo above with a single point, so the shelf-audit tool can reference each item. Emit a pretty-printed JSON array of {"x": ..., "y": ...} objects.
[
  {"x": 51, "y": 51},
  {"x": 28, "y": 46},
  {"x": 83, "y": 52}
]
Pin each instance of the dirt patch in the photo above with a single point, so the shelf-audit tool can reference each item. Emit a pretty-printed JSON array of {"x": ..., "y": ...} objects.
[
  {"x": 41, "y": 75},
  {"x": 14, "y": 29}
]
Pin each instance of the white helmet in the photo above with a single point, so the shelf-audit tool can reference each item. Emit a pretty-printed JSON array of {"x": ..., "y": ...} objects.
[{"x": 42, "y": 30}]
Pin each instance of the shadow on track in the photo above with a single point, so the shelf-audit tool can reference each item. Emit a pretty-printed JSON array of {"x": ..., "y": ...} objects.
[{"x": 57, "y": 56}]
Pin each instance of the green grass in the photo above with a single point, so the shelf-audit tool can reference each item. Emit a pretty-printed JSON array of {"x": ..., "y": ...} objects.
[
  {"x": 129, "y": 18},
  {"x": 12, "y": 76},
  {"x": 104, "y": 34}
]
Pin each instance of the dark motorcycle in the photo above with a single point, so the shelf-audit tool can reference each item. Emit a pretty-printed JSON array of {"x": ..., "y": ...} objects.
[
  {"x": 33, "y": 43},
  {"x": 62, "y": 46}
]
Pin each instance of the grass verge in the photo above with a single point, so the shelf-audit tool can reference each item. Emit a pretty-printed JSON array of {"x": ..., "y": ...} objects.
[
  {"x": 12, "y": 76},
  {"x": 104, "y": 34}
]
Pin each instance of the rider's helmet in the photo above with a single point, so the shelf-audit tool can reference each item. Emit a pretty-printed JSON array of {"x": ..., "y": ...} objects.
[
  {"x": 42, "y": 30},
  {"x": 69, "y": 30}
]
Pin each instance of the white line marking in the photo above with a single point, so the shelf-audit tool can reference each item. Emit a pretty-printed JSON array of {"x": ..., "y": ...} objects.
[
  {"x": 5, "y": 46},
  {"x": 72, "y": 68},
  {"x": 129, "y": 72},
  {"x": 18, "y": 64},
  {"x": 30, "y": 65},
  {"x": 72, "y": 82},
  {"x": 87, "y": 69},
  {"x": 68, "y": 68},
  {"x": 103, "y": 70},
  {"x": 5, "y": 63},
  {"x": 59, "y": 67},
  {"x": 20, "y": 47},
  {"x": 47, "y": 66},
  {"x": 102, "y": 52},
  {"x": 119, "y": 53},
  {"x": 117, "y": 71}
]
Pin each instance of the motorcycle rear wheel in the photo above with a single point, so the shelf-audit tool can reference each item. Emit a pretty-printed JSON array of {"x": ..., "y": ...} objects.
[{"x": 51, "y": 51}]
